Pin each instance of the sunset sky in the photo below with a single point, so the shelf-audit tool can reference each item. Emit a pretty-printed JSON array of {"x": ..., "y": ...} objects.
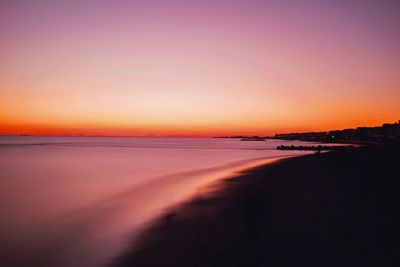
[{"x": 197, "y": 68}]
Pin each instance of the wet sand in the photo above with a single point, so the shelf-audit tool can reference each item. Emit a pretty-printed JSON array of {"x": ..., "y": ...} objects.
[{"x": 334, "y": 209}]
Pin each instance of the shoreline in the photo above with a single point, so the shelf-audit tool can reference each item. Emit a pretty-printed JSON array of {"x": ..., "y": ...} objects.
[
  {"x": 184, "y": 219},
  {"x": 204, "y": 191},
  {"x": 303, "y": 211}
]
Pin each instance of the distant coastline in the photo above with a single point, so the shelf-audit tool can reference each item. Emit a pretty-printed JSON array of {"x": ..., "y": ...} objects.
[{"x": 386, "y": 132}]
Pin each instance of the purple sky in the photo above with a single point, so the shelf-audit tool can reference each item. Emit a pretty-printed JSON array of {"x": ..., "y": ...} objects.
[{"x": 197, "y": 67}]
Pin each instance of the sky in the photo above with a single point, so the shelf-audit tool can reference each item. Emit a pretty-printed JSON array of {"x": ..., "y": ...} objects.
[{"x": 197, "y": 68}]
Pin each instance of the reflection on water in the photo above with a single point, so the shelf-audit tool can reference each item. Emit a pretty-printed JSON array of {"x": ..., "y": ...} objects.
[{"x": 79, "y": 201}]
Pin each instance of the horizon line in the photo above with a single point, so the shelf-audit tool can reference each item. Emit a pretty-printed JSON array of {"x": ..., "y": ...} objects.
[{"x": 182, "y": 135}]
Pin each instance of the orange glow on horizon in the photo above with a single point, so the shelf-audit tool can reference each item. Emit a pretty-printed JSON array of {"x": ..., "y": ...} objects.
[{"x": 196, "y": 69}]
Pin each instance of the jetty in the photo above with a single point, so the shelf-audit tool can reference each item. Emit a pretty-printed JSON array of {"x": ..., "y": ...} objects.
[
  {"x": 310, "y": 148},
  {"x": 253, "y": 139}
]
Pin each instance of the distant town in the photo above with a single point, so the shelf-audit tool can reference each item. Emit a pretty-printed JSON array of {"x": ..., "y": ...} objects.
[{"x": 386, "y": 132}]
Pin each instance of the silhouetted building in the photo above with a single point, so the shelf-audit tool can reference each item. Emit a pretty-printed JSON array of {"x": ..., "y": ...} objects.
[{"x": 386, "y": 132}]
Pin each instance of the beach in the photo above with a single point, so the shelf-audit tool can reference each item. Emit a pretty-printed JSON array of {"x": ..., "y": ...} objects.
[{"x": 332, "y": 209}]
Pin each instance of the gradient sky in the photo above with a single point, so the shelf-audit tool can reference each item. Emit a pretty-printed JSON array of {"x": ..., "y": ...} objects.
[{"x": 197, "y": 67}]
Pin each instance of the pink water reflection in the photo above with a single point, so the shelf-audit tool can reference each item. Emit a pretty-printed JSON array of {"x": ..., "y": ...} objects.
[{"x": 81, "y": 201}]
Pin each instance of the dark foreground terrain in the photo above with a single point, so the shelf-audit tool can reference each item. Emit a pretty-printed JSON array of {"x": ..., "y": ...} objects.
[{"x": 334, "y": 209}]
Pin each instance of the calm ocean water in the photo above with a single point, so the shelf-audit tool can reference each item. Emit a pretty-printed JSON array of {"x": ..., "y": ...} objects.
[{"x": 81, "y": 201}]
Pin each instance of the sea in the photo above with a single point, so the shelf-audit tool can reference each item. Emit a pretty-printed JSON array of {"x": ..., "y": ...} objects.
[{"x": 84, "y": 201}]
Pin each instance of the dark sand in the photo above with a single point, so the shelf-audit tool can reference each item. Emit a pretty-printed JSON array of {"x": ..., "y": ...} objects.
[{"x": 335, "y": 209}]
